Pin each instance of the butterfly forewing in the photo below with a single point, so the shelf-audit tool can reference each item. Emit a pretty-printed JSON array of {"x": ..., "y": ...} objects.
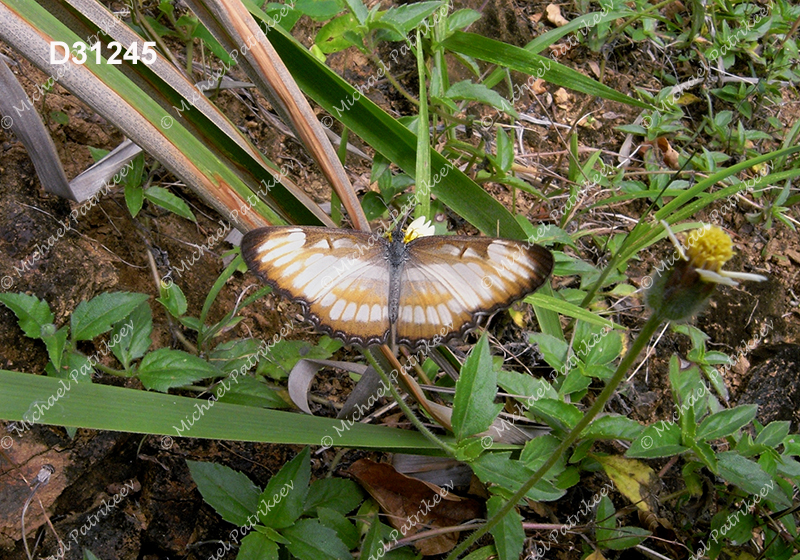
[
  {"x": 448, "y": 283},
  {"x": 341, "y": 277}
]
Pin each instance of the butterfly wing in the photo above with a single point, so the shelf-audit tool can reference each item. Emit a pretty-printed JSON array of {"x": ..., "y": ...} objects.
[
  {"x": 340, "y": 277},
  {"x": 449, "y": 283}
]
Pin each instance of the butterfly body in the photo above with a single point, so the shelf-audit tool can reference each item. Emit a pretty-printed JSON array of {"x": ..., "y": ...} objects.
[{"x": 366, "y": 290}]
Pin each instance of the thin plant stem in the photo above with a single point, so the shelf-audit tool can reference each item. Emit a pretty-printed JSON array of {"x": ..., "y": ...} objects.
[
  {"x": 407, "y": 409},
  {"x": 637, "y": 347}
]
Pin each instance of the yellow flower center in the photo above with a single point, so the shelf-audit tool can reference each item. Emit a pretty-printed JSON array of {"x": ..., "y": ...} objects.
[{"x": 709, "y": 248}]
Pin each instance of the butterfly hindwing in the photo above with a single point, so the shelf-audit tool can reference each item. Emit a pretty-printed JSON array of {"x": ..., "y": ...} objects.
[
  {"x": 451, "y": 282},
  {"x": 341, "y": 277}
]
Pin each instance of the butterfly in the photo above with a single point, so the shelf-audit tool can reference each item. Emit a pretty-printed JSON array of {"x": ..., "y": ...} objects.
[{"x": 364, "y": 289}]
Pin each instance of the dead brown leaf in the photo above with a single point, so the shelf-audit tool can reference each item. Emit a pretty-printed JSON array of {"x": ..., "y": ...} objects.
[
  {"x": 554, "y": 15},
  {"x": 413, "y": 506}
]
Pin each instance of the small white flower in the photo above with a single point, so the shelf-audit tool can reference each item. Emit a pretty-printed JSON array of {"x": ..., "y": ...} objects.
[{"x": 421, "y": 227}]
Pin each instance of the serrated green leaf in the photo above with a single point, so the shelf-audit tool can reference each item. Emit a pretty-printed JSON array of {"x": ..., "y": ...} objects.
[
  {"x": 168, "y": 201},
  {"x": 172, "y": 298},
  {"x": 405, "y": 18},
  {"x": 558, "y": 414},
  {"x": 613, "y": 426},
  {"x": 773, "y": 434},
  {"x": 552, "y": 348},
  {"x": 285, "y": 354},
  {"x": 706, "y": 455},
  {"x": 283, "y": 499},
  {"x": 313, "y": 541},
  {"x": 508, "y": 534},
  {"x": 338, "y": 494},
  {"x": 462, "y": 18},
  {"x": 474, "y": 408},
  {"x": 133, "y": 342},
  {"x": 256, "y": 546},
  {"x": 96, "y": 316},
  {"x": 663, "y": 439},
  {"x": 55, "y": 344},
  {"x": 529, "y": 389},
  {"x": 232, "y": 494},
  {"x": 165, "y": 368},
  {"x": 750, "y": 477},
  {"x": 32, "y": 313},
  {"x": 346, "y": 531},
  {"x": 500, "y": 469},
  {"x": 726, "y": 422}
]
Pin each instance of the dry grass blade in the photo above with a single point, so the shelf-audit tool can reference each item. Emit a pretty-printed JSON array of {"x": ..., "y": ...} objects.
[
  {"x": 29, "y": 128},
  {"x": 235, "y": 29}
]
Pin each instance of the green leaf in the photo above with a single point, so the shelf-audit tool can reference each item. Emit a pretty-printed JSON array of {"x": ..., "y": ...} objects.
[
  {"x": 134, "y": 198},
  {"x": 313, "y": 541},
  {"x": 558, "y": 414},
  {"x": 626, "y": 537},
  {"x": 55, "y": 343},
  {"x": 97, "y": 407},
  {"x": 750, "y": 477},
  {"x": 339, "y": 523},
  {"x": 320, "y": 10},
  {"x": 595, "y": 345},
  {"x": 373, "y": 545},
  {"x": 500, "y": 469},
  {"x": 524, "y": 385},
  {"x": 505, "y": 151},
  {"x": 96, "y": 316},
  {"x": 405, "y": 18},
  {"x": 256, "y": 546},
  {"x": 168, "y": 201},
  {"x": 469, "y": 91},
  {"x": 613, "y": 426},
  {"x": 250, "y": 392},
  {"x": 662, "y": 439},
  {"x": 282, "y": 500},
  {"x": 538, "y": 450},
  {"x": 165, "y": 368},
  {"x": 726, "y": 422},
  {"x": 74, "y": 366},
  {"x": 32, "y": 313},
  {"x": 462, "y": 18},
  {"x": 232, "y": 494},
  {"x": 474, "y": 408},
  {"x": 172, "y": 298},
  {"x": 234, "y": 354},
  {"x": 773, "y": 434},
  {"x": 393, "y": 140},
  {"x": 607, "y": 533},
  {"x": 519, "y": 59},
  {"x": 552, "y": 348},
  {"x": 338, "y": 494},
  {"x": 133, "y": 342},
  {"x": 285, "y": 354},
  {"x": 508, "y": 533}
]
